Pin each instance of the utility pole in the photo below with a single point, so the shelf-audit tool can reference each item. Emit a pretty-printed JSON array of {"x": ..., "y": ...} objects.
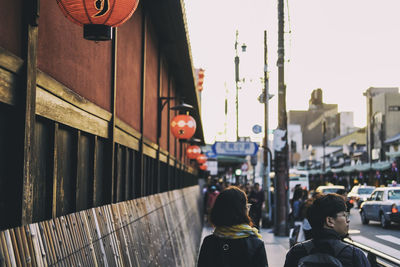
[
  {"x": 323, "y": 145},
  {"x": 369, "y": 124},
  {"x": 281, "y": 151},
  {"x": 237, "y": 84},
  {"x": 226, "y": 112},
  {"x": 266, "y": 170}
]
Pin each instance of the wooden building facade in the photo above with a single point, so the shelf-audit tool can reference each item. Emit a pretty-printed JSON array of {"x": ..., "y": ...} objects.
[{"x": 79, "y": 119}]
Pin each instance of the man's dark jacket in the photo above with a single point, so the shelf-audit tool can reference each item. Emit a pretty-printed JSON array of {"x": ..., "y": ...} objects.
[
  {"x": 324, "y": 242},
  {"x": 223, "y": 252}
]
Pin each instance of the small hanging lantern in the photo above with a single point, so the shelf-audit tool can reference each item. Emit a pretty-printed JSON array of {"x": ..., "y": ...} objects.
[
  {"x": 98, "y": 16},
  {"x": 200, "y": 80},
  {"x": 183, "y": 126},
  {"x": 201, "y": 158},
  {"x": 193, "y": 151},
  {"x": 203, "y": 167}
]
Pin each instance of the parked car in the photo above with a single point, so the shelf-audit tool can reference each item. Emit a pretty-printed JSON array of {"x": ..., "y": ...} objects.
[
  {"x": 326, "y": 189},
  {"x": 383, "y": 205},
  {"x": 338, "y": 189},
  {"x": 360, "y": 193}
]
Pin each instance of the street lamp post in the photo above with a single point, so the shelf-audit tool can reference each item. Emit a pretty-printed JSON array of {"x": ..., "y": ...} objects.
[{"x": 237, "y": 79}]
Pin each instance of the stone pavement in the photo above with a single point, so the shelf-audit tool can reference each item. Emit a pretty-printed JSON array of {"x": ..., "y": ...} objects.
[{"x": 276, "y": 247}]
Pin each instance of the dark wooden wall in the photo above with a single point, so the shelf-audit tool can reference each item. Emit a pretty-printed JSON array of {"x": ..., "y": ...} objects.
[{"x": 78, "y": 119}]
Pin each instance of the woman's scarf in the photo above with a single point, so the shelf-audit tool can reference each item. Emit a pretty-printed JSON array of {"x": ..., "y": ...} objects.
[{"x": 236, "y": 231}]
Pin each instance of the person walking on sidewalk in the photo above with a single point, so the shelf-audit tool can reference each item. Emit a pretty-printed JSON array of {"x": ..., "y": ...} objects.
[
  {"x": 234, "y": 243},
  {"x": 256, "y": 199},
  {"x": 330, "y": 224}
]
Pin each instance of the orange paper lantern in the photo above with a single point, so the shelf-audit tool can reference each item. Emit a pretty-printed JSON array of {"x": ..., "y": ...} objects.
[
  {"x": 193, "y": 151},
  {"x": 98, "y": 16},
  {"x": 201, "y": 158},
  {"x": 203, "y": 167},
  {"x": 183, "y": 126},
  {"x": 200, "y": 80}
]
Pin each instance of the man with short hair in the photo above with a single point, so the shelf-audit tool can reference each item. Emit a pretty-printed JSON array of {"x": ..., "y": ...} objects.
[{"x": 330, "y": 224}]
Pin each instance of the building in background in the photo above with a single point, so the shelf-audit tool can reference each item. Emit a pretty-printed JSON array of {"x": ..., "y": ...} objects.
[
  {"x": 305, "y": 131},
  {"x": 311, "y": 120},
  {"x": 383, "y": 111},
  {"x": 295, "y": 140}
]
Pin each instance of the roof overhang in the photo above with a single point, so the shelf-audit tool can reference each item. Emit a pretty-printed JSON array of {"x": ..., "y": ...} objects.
[{"x": 169, "y": 20}]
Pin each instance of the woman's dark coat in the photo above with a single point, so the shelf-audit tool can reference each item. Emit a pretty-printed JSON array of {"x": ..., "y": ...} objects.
[{"x": 223, "y": 252}]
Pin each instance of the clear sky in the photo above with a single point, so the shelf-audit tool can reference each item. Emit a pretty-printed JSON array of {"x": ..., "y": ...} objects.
[{"x": 341, "y": 46}]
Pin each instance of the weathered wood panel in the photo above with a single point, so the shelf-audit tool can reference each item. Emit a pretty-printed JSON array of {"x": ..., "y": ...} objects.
[
  {"x": 66, "y": 170},
  {"x": 84, "y": 183},
  {"x": 101, "y": 182},
  {"x": 10, "y": 187},
  {"x": 43, "y": 187},
  {"x": 119, "y": 173}
]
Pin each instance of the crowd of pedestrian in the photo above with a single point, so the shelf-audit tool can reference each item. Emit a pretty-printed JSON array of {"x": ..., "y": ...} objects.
[
  {"x": 235, "y": 213},
  {"x": 253, "y": 192}
]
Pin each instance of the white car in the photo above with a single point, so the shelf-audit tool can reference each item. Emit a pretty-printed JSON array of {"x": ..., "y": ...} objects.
[
  {"x": 383, "y": 205},
  {"x": 360, "y": 193},
  {"x": 326, "y": 189}
]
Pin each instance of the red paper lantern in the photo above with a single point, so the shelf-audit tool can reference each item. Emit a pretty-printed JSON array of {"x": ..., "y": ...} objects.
[
  {"x": 200, "y": 80},
  {"x": 201, "y": 158},
  {"x": 183, "y": 126},
  {"x": 193, "y": 151},
  {"x": 98, "y": 16},
  {"x": 203, "y": 167}
]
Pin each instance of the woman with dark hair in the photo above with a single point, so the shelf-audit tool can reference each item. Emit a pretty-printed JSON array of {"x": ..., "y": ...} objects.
[{"x": 234, "y": 241}]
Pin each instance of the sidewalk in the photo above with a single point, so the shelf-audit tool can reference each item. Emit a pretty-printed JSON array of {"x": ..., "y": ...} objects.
[{"x": 276, "y": 247}]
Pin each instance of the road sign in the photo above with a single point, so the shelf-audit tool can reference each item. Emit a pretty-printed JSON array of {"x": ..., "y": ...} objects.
[
  {"x": 235, "y": 148},
  {"x": 257, "y": 129},
  {"x": 211, "y": 155}
]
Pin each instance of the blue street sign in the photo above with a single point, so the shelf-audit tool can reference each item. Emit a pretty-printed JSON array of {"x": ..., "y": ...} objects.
[
  {"x": 235, "y": 148},
  {"x": 210, "y": 155},
  {"x": 257, "y": 129}
]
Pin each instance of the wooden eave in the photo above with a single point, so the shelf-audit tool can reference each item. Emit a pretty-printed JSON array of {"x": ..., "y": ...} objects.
[{"x": 169, "y": 20}]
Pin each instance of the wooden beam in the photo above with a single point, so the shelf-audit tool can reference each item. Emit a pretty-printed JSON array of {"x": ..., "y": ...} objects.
[
  {"x": 56, "y": 109},
  {"x": 27, "y": 108},
  {"x": 10, "y": 67},
  {"x": 95, "y": 176},
  {"x": 113, "y": 108},
  {"x": 55, "y": 172},
  {"x": 159, "y": 89},
  {"x": 169, "y": 137},
  {"x": 61, "y": 91},
  {"x": 142, "y": 106}
]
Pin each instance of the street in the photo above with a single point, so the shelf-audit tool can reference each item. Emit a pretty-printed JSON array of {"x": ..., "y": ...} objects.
[{"x": 374, "y": 236}]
